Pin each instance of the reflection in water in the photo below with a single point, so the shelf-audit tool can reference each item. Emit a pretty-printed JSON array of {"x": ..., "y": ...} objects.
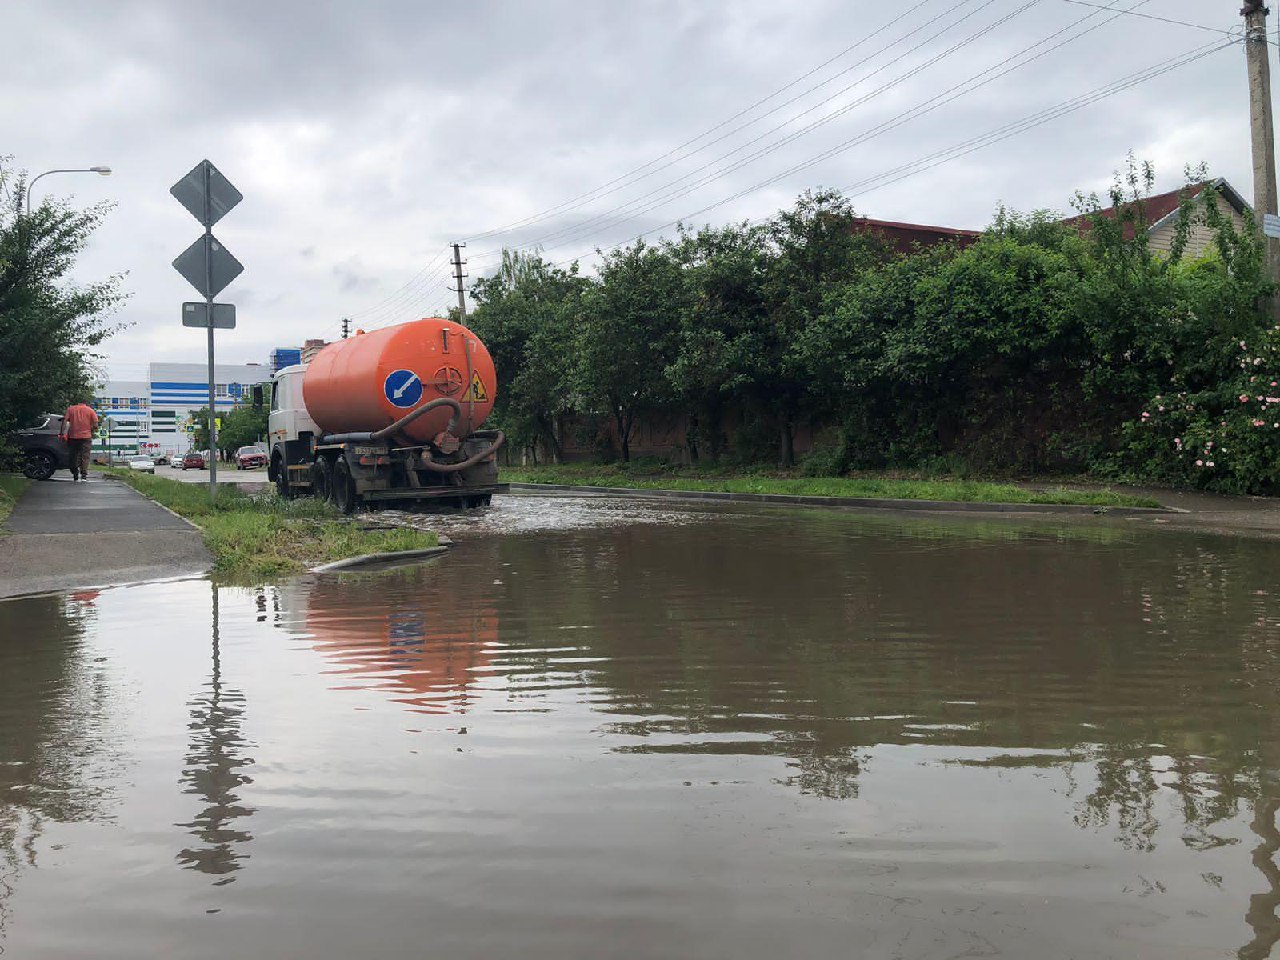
[
  {"x": 424, "y": 645},
  {"x": 214, "y": 772},
  {"x": 752, "y": 734},
  {"x": 1262, "y": 906},
  {"x": 56, "y": 741}
]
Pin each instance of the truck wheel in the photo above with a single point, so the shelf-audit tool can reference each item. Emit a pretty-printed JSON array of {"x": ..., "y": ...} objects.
[
  {"x": 321, "y": 480},
  {"x": 344, "y": 488},
  {"x": 282, "y": 482},
  {"x": 39, "y": 465}
]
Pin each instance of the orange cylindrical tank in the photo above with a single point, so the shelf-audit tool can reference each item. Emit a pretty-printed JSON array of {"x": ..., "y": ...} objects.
[{"x": 371, "y": 380}]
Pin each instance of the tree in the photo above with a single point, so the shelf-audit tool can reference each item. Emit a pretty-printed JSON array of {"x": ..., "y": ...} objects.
[
  {"x": 525, "y": 315},
  {"x": 49, "y": 326},
  {"x": 627, "y": 336},
  {"x": 723, "y": 326},
  {"x": 817, "y": 250}
]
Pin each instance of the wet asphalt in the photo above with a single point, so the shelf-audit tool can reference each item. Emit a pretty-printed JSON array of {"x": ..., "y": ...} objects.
[{"x": 63, "y": 535}]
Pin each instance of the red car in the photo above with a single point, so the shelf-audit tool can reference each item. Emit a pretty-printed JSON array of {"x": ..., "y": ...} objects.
[
  {"x": 192, "y": 461},
  {"x": 249, "y": 457}
]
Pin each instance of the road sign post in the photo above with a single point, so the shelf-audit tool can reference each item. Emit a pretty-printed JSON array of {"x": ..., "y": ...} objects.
[{"x": 209, "y": 267}]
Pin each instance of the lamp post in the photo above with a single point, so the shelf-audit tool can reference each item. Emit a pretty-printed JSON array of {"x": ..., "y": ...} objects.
[{"x": 101, "y": 170}]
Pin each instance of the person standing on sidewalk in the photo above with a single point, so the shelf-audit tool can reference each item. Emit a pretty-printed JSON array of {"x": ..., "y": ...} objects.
[{"x": 78, "y": 426}]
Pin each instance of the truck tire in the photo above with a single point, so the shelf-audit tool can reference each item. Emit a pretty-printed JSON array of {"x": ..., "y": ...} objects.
[
  {"x": 344, "y": 488},
  {"x": 322, "y": 480},
  {"x": 282, "y": 481},
  {"x": 39, "y": 465}
]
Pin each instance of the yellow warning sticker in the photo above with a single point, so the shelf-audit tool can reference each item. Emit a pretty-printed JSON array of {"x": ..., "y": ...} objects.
[{"x": 477, "y": 391}]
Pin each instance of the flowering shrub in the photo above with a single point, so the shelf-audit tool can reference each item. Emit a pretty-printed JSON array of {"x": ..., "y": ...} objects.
[{"x": 1224, "y": 437}]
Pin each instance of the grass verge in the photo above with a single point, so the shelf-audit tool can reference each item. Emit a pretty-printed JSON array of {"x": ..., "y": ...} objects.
[
  {"x": 11, "y": 487},
  {"x": 880, "y": 488},
  {"x": 256, "y": 538}
]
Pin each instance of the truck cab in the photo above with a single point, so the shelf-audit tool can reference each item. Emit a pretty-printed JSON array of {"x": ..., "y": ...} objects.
[{"x": 291, "y": 432}]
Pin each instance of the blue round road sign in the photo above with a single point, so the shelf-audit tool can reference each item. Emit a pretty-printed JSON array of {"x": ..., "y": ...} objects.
[{"x": 403, "y": 388}]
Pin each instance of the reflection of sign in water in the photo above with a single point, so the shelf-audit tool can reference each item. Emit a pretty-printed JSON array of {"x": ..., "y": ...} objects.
[{"x": 213, "y": 771}]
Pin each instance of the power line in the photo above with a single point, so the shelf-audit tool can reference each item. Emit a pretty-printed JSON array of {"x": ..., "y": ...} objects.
[
  {"x": 360, "y": 313},
  {"x": 1030, "y": 122},
  {"x": 674, "y": 188},
  {"x": 999, "y": 134},
  {"x": 1152, "y": 16},
  {"x": 629, "y": 177},
  {"x": 949, "y": 95}
]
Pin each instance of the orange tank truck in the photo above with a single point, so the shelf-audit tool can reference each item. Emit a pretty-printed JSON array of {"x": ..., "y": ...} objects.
[{"x": 390, "y": 416}]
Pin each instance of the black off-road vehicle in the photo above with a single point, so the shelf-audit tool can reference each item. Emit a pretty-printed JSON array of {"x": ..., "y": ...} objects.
[{"x": 43, "y": 451}]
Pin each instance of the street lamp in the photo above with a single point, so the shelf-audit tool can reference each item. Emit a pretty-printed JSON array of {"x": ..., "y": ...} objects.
[{"x": 103, "y": 171}]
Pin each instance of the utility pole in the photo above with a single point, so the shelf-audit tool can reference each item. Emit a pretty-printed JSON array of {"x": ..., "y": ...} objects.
[
  {"x": 346, "y": 327},
  {"x": 1263, "y": 128},
  {"x": 458, "y": 275}
]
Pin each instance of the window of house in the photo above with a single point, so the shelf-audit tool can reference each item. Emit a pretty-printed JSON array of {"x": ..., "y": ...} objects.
[{"x": 219, "y": 390}]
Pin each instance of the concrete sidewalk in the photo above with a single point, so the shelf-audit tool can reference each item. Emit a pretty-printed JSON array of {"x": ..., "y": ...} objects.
[{"x": 63, "y": 535}]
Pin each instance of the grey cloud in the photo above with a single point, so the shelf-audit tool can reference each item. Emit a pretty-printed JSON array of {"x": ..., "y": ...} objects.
[{"x": 366, "y": 137}]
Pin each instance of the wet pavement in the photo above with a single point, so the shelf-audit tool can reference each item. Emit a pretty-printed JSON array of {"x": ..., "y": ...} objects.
[
  {"x": 612, "y": 729},
  {"x": 63, "y": 534}
]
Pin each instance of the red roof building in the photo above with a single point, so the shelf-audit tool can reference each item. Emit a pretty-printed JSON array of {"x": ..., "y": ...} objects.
[
  {"x": 1160, "y": 213},
  {"x": 906, "y": 238}
]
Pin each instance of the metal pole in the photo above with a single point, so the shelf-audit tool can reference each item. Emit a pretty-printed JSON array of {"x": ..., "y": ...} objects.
[
  {"x": 208, "y": 279},
  {"x": 1263, "y": 129}
]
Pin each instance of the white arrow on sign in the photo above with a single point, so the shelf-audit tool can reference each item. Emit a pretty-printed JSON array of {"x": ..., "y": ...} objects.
[{"x": 406, "y": 385}]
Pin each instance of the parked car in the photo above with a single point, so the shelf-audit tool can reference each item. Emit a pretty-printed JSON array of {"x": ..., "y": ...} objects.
[
  {"x": 193, "y": 461},
  {"x": 142, "y": 464},
  {"x": 249, "y": 457},
  {"x": 43, "y": 451}
]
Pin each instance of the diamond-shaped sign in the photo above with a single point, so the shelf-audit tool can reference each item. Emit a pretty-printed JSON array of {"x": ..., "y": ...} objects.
[
  {"x": 191, "y": 191},
  {"x": 221, "y": 270}
]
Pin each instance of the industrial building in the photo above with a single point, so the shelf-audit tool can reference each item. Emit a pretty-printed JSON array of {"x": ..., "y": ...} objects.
[{"x": 154, "y": 416}]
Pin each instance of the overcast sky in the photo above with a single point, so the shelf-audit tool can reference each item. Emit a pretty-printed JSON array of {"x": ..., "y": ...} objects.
[{"x": 365, "y": 137}]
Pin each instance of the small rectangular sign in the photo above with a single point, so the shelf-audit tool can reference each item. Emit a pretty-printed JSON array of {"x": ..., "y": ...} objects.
[
  {"x": 197, "y": 315},
  {"x": 1271, "y": 225}
]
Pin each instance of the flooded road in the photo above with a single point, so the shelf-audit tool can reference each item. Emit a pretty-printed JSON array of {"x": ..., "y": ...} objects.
[{"x": 603, "y": 730}]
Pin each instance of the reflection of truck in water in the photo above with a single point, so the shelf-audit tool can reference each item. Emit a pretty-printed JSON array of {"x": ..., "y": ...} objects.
[
  {"x": 423, "y": 643},
  {"x": 387, "y": 417}
]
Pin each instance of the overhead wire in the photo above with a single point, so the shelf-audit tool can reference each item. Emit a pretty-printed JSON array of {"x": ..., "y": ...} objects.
[
  {"x": 656, "y": 164},
  {"x": 678, "y": 187},
  {"x": 965, "y": 87},
  {"x": 1030, "y": 122},
  {"x": 1151, "y": 16}
]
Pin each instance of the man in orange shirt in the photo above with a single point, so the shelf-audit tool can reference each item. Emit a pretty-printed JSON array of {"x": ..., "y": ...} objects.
[{"x": 78, "y": 425}]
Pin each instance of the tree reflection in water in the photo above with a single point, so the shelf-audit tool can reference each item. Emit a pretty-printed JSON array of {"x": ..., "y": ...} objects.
[{"x": 214, "y": 771}]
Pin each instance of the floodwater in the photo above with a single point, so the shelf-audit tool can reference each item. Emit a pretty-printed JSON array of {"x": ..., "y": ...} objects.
[{"x": 596, "y": 730}]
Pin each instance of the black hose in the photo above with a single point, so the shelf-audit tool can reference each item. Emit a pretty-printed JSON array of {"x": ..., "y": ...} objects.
[{"x": 377, "y": 435}]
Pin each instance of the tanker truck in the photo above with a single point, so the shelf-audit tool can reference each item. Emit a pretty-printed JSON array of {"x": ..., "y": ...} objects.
[{"x": 388, "y": 417}]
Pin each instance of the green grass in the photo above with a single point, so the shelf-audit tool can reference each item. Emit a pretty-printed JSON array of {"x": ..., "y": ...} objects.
[
  {"x": 11, "y": 487},
  {"x": 257, "y": 538},
  {"x": 970, "y": 491}
]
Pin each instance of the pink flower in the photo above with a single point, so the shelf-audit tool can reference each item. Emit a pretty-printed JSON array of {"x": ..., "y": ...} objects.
[
  {"x": 1160, "y": 409},
  {"x": 1209, "y": 464},
  {"x": 1199, "y": 463},
  {"x": 1244, "y": 398}
]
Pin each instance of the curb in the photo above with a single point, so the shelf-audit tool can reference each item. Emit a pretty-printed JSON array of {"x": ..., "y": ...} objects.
[
  {"x": 379, "y": 559},
  {"x": 873, "y": 503}
]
